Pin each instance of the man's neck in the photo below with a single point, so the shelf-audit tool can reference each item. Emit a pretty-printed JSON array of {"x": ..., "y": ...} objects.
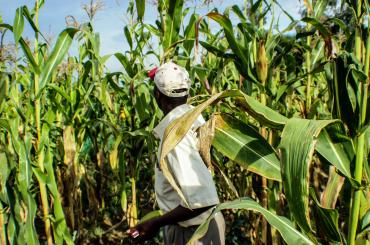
[{"x": 169, "y": 108}]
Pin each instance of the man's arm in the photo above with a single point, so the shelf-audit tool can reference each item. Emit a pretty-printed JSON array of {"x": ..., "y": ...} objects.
[{"x": 150, "y": 228}]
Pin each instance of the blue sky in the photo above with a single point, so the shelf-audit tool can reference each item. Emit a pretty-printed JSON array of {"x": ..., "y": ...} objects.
[{"x": 110, "y": 21}]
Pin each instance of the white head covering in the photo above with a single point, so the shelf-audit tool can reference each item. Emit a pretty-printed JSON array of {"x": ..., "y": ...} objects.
[{"x": 172, "y": 80}]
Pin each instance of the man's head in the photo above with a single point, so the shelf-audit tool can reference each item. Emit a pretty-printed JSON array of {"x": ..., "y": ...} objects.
[{"x": 172, "y": 86}]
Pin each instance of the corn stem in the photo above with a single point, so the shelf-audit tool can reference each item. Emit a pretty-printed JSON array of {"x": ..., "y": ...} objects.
[
  {"x": 360, "y": 147},
  {"x": 40, "y": 154},
  {"x": 308, "y": 63}
]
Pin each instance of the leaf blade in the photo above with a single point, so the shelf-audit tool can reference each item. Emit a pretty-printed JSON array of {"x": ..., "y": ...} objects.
[{"x": 61, "y": 47}]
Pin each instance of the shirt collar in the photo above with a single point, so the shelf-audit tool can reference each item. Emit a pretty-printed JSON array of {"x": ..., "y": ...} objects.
[{"x": 172, "y": 115}]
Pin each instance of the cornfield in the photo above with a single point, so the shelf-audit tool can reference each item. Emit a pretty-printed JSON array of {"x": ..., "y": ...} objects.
[{"x": 287, "y": 136}]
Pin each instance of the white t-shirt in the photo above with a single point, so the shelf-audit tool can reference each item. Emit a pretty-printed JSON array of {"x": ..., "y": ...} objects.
[{"x": 189, "y": 171}]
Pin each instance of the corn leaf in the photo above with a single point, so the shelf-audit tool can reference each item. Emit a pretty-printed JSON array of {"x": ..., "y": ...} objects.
[
  {"x": 190, "y": 34},
  {"x": 60, "y": 91},
  {"x": 61, "y": 232},
  {"x": 18, "y": 24},
  {"x": 173, "y": 19},
  {"x": 297, "y": 146},
  {"x": 333, "y": 187},
  {"x": 25, "y": 184},
  {"x": 151, "y": 215},
  {"x": 61, "y": 47},
  {"x": 334, "y": 153},
  {"x": 128, "y": 36},
  {"x": 215, "y": 50},
  {"x": 344, "y": 86},
  {"x": 326, "y": 220},
  {"x": 26, "y": 13},
  {"x": 324, "y": 31},
  {"x": 179, "y": 127},
  {"x": 229, "y": 34},
  {"x": 290, "y": 234},
  {"x": 27, "y": 51},
  {"x": 242, "y": 144},
  {"x": 4, "y": 171},
  {"x": 140, "y": 7},
  {"x": 126, "y": 64},
  {"x": 320, "y": 7},
  {"x": 4, "y": 87}
]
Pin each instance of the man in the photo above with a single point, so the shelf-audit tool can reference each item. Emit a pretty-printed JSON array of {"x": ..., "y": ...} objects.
[{"x": 171, "y": 90}]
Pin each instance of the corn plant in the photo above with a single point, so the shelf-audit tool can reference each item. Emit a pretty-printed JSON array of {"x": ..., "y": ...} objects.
[{"x": 287, "y": 115}]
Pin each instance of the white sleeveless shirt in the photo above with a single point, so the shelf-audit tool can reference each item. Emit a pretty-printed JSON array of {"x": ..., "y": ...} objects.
[{"x": 188, "y": 169}]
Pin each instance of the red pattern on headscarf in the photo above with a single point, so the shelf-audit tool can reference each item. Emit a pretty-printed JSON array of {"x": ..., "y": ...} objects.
[{"x": 152, "y": 72}]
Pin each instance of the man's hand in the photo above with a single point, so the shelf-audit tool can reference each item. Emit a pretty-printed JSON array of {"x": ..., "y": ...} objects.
[
  {"x": 144, "y": 231},
  {"x": 148, "y": 229}
]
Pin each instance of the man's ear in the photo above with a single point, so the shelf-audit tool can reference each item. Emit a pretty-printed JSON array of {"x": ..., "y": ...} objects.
[{"x": 157, "y": 95}]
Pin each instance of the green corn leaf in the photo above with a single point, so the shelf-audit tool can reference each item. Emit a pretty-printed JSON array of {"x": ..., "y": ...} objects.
[
  {"x": 25, "y": 184},
  {"x": 342, "y": 25},
  {"x": 41, "y": 177},
  {"x": 290, "y": 234},
  {"x": 140, "y": 8},
  {"x": 18, "y": 24},
  {"x": 6, "y": 26},
  {"x": 236, "y": 9},
  {"x": 142, "y": 102},
  {"x": 128, "y": 36},
  {"x": 320, "y": 7},
  {"x": 215, "y": 50},
  {"x": 106, "y": 100},
  {"x": 343, "y": 87},
  {"x": 4, "y": 171},
  {"x": 324, "y": 31},
  {"x": 173, "y": 20},
  {"x": 334, "y": 153},
  {"x": 229, "y": 34},
  {"x": 256, "y": 6},
  {"x": 152, "y": 29},
  {"x": 60, "y": 91},
  {"x": 126, "y": 64},
  {"x": 365, "y": 222},
  {"x": 190, "y": 34},
  {"x": 290, "y": 27},
  {"x": 179, "y": 127},
  {"x": 4, "y": 87},
  {"x": 11, "y": 230},
  {"x": 94, "y": 39},
  {"x": 151, "y": 215},
  {"x": 27, "y": 51},
  {"x": 61, "y": 232},
  {"x": 242, "y": 144},
  {"x": 284, "y": 11},
  {"x": 60, "y": 49},
  {"x": 297, "y": 146},
  {"x": 28, "y": 16}
]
